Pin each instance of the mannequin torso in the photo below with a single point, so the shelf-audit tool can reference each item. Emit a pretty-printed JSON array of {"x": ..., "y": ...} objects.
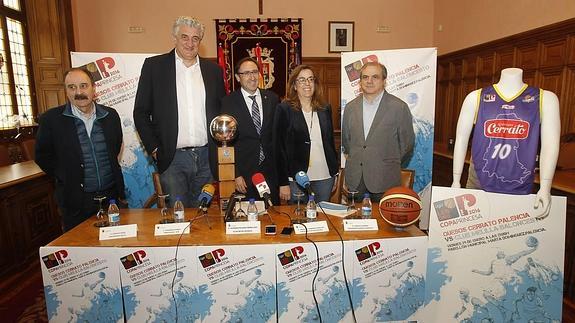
[{"x": 510, "y": 85}]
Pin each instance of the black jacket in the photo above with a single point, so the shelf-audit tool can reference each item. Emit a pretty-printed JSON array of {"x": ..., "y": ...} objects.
[
  {"x": 294, "y": 145},
  {"x": 156, "y": 106},
  {"x": 59, "y": 154},
  {"x": 247, "y": 142}
]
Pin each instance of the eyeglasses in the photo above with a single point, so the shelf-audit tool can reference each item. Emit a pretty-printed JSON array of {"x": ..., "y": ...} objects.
[
  {"x": 303, "y": 80},
  {"x": 249, "y": 73}
]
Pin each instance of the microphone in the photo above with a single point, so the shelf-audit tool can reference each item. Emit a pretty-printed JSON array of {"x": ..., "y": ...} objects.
[
  {"x": 263, "y": 189},
  {"x": 205, "y": 196},
  {"x": 302, "y": 180}
]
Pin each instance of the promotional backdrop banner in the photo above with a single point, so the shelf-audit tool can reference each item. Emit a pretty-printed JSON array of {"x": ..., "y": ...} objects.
[
  {"x": 81, "y": 286},
  {"x": 491, "y": 260},
  {"x": 411, "y": 77},
  {"x": 116, "y": 77}
]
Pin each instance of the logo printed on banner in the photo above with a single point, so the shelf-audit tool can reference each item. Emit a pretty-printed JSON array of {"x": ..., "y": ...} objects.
[
  {"x": 446, "y": 209},
  {"x": 506, "y": 129},
  {"x": 464, "y": 204},
  {"x": 368, "y": 251},
  {"x": 291, "y": 255},
  {"x": 55, "y": 259},
  {"x": 507, "y": 107},
  {"x": 212, "y": 258},
  {"x": 101, "y": 68},
  {"x": 134, "y": 259}
]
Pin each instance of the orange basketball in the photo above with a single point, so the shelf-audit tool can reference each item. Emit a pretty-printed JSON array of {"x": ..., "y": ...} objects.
[{"x": 400, "y": 206}]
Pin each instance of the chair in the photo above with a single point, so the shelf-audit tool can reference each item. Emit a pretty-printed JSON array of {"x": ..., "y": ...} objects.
[
  {"x": 27, "y": 149},
  {"x": 407, "y": 179},
  {"x": 153, "y": 199},
  {"x": 5, "y": 159}
]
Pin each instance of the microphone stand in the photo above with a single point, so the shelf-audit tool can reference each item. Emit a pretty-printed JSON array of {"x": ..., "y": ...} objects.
[{"x": 202, "y": 213}]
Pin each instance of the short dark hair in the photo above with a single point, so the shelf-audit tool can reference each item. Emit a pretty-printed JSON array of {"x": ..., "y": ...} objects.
[
  {"x": 79, "y": 69},
  {"x": 376, "y": 64},
  {"x": 243, "y": 60}
]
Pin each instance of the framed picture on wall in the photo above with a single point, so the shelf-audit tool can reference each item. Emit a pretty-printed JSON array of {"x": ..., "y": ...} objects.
[{"x": 340, "y": 36}]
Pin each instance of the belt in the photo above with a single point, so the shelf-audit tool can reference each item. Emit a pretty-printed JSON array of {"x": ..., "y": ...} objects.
[{"x": 192, "y": 148}]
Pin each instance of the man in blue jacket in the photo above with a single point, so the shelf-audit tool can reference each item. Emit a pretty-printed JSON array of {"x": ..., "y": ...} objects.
[{"x": 78, "y": 144}]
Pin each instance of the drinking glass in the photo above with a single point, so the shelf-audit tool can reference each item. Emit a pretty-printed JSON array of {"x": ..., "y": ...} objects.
[
  {"x": 299, "y": 211},
  {"x": 102, "y": 214},
  {"x": 164, "y": 211},
  {"x": 351, "y": 203},
  {"x": 240, "y": 213}
]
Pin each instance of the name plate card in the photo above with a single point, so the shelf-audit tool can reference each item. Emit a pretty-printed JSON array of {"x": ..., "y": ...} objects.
[
  {"x": 312, "y": 227},
  {"x": 166, "y": 229},
  {"x": 119, "y": 232},
  {"x": 360, "y": 225},
  {"x": 243, "y": 227}
]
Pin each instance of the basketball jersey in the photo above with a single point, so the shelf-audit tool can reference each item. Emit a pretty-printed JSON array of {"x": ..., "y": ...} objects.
[{"x": 506, "y": 139}]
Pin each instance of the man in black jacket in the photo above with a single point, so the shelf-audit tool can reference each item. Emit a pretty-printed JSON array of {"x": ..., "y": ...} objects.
[
  {"x": 178, "y": 95},
  {"x": 78, "y": 144},
  {"x": 254, "y": 111}
]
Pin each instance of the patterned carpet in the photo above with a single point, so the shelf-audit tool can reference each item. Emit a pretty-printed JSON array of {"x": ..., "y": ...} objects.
[{"x": 22, "y": 296}]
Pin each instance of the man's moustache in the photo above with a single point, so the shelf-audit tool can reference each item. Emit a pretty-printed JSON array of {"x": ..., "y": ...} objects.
[{"x": 80, "y": 97}]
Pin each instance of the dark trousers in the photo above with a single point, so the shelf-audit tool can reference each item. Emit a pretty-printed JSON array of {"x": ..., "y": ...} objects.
[{"x": 71, "y": 217}]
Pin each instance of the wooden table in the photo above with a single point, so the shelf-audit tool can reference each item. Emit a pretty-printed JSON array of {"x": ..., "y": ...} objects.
[{"x": 86, "y": 235}]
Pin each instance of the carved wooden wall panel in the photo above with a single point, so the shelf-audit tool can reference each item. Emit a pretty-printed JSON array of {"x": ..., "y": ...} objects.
[{"x": 49, "y": 29}]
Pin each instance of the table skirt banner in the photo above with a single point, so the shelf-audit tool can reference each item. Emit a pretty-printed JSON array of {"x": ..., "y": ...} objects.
[
  {"x": 296, "y": 268},
  {"x": 391, "y": 273},
  {"x": 81, "y": 284},
  {"x": 491, "y": 260},
  {"x": 150, "y": 275},
  {"x": 241, "y": 280}
]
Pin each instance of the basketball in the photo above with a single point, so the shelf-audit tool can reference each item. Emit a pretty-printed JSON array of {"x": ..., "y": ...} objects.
[{"x": 400, "y": 206}]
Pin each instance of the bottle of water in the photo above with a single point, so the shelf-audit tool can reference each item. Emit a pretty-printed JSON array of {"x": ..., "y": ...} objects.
[
  {"x": 252, "y": 210},
  {"x": 311, "y": 209},
  {"x": 113, "y": 213},
  {"x": 179, "y": 211},
  {"x": 366, "y": 207}
]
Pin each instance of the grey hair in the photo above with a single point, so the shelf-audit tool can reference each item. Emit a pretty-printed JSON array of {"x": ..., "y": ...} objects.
[
  {"x": 375, "y": 64},
  {"x": 190, "y": 22}
]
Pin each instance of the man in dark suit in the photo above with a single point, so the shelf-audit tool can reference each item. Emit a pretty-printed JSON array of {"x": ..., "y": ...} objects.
[
  {"x": 178, "y": 95},
  {"x": 377, "y": 134},
  {"x": 254, "y": 111},
  {"x": 78, "y": 144}
]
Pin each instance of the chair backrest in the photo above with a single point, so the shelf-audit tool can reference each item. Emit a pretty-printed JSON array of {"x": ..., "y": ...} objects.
[
  {"x": 27, "y": 149},
  {"x": 407, "y": 179},
  {"x": 153, "y": 199},
  {"x": 5, "y": 159}
]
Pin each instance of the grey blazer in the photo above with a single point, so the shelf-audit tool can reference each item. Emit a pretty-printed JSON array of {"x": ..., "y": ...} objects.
[{"x": 390, "y": 139}]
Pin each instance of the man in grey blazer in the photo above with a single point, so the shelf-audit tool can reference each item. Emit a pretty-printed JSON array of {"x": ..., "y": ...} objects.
[{"x": 377, "y": 135}]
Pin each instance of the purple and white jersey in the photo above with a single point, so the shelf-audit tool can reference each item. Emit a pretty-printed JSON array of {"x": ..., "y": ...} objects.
[{"x": 505, "y": 140}]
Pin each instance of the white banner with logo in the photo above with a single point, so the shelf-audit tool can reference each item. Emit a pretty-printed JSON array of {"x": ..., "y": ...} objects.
[
  {"x": 411, "y": 75},
  {"x": 241, "y": 280},
  {"x": 491, "y": 260},
  {"x": 116, "y": 77},
  {"x": 156, "y": 290},
  {"x": 81, "y": 284},
  {"x": 296, "y": 267},
  {"x": 388, "y": 278}
]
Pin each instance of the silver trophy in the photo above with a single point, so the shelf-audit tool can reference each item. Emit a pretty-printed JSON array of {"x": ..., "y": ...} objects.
[{"x": 223, "y": 128}]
